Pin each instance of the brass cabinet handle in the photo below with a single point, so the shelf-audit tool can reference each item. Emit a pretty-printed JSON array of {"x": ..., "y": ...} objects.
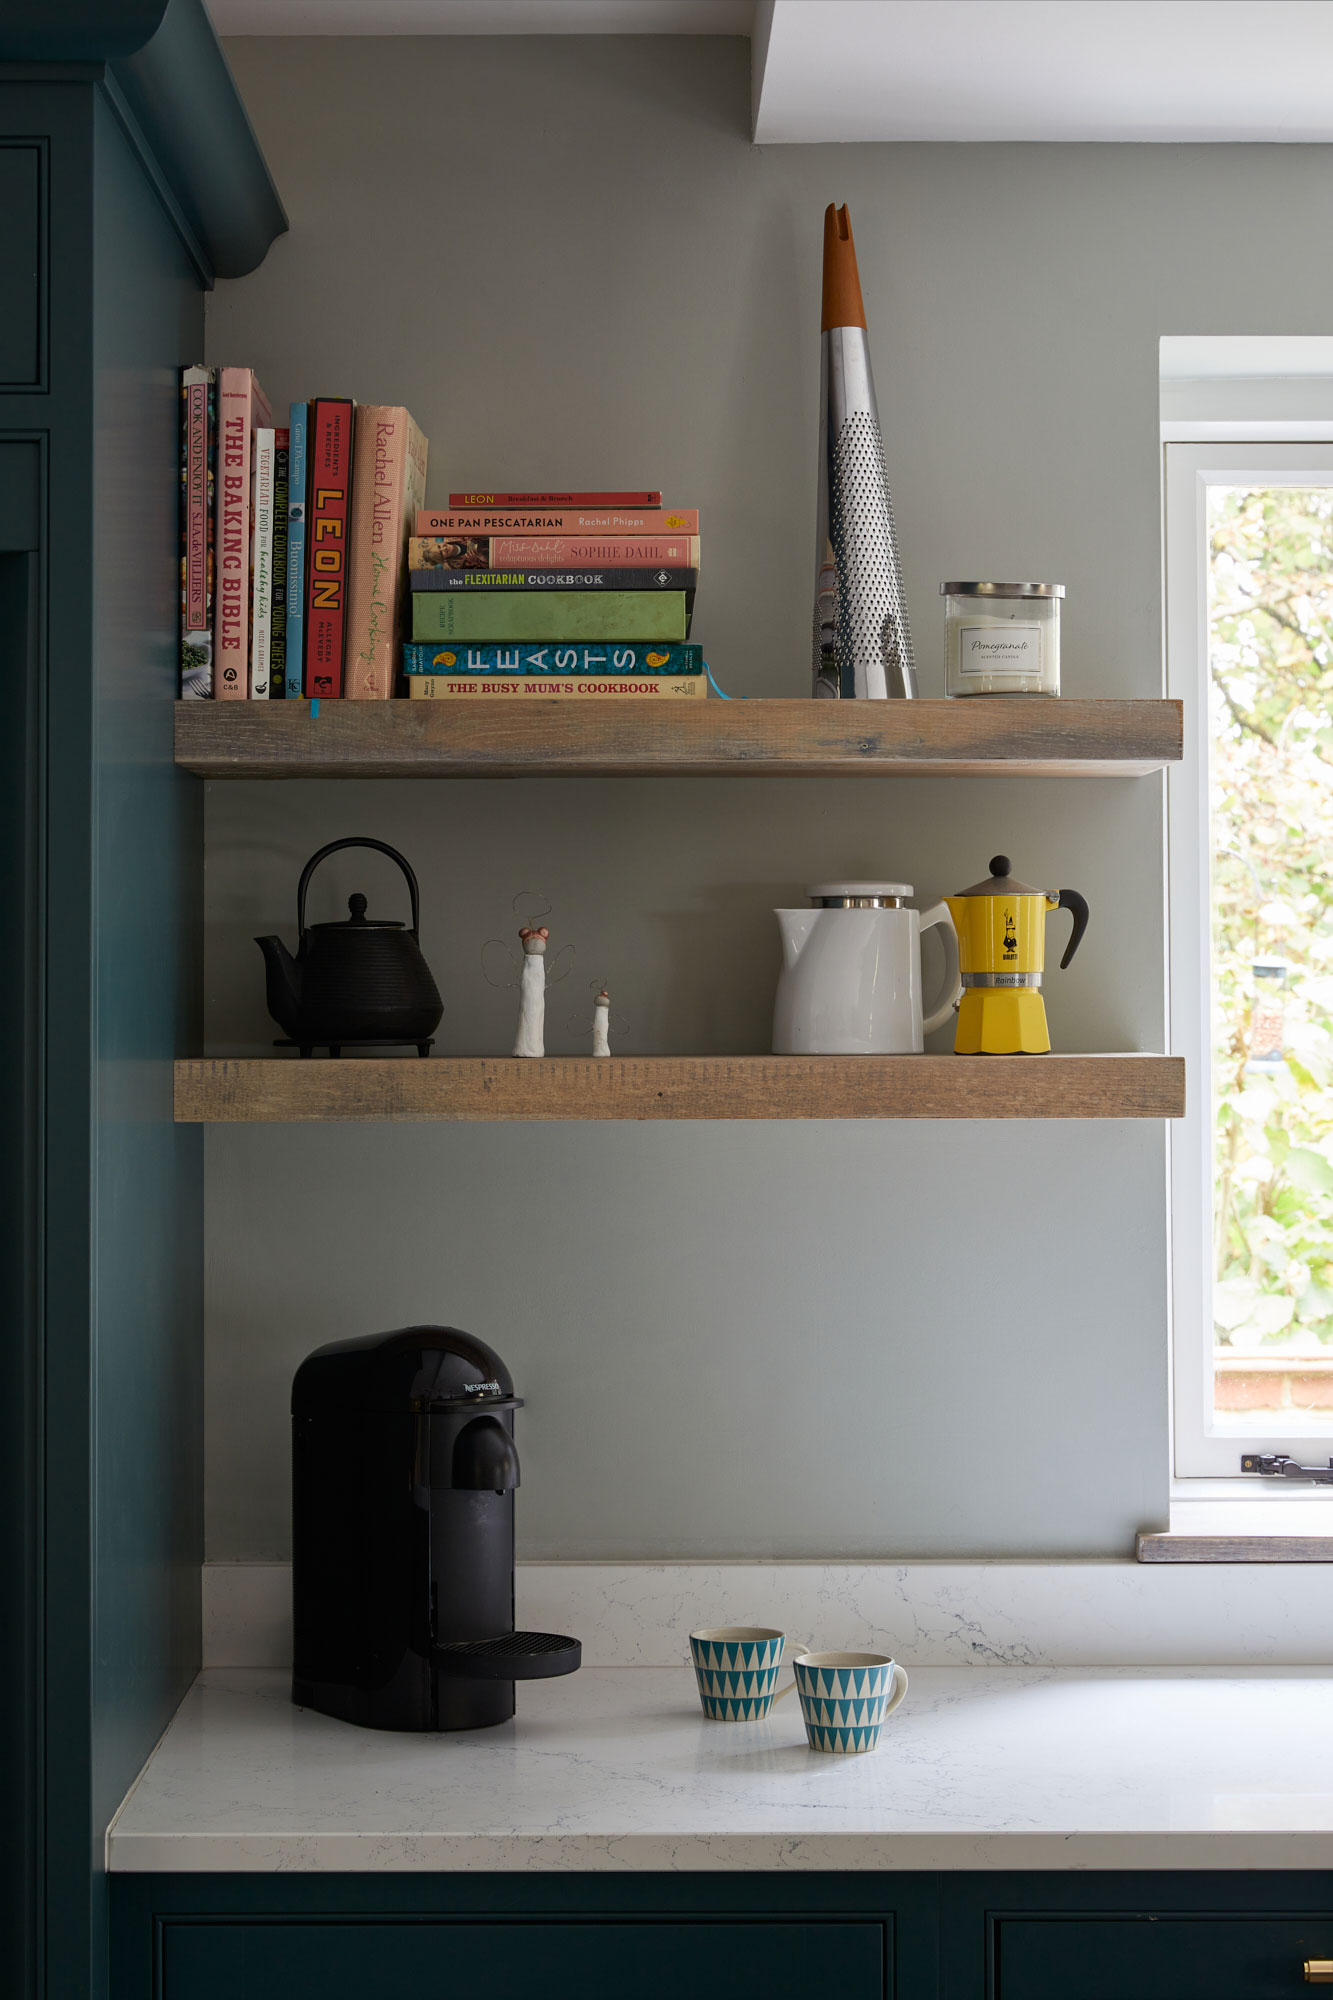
[{"x": 1319, "y": 1971}]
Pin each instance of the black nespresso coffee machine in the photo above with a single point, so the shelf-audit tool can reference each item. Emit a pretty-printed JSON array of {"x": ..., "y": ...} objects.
[{"x": 403, "y": 1478}]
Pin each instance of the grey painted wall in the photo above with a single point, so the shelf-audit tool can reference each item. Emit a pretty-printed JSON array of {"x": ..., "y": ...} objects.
[{"x": 572, "y": 265}]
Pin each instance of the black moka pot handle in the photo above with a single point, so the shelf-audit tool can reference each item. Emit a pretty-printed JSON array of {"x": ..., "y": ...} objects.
[
  {"x": 353, "y": 840},
  {"x": 1071, "y": 900}
]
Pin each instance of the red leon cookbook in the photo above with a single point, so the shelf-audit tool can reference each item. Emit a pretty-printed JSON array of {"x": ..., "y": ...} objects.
[{"x": 328, "y": 508}]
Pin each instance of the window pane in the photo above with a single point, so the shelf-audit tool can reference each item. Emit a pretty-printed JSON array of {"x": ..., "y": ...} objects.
[{"x": 1271, "y": 823}]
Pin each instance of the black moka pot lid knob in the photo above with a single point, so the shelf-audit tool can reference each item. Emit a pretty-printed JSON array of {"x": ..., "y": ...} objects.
[
  {"x": 414, "y": 1369},
  {"x": 1000, "y": 882}
]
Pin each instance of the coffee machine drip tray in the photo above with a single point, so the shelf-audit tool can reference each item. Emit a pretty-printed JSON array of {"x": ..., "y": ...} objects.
[{"x": 514, "y": 1656}]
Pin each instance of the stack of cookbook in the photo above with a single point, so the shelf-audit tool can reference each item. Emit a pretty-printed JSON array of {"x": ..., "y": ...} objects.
[{"x": 554, "y": 593}]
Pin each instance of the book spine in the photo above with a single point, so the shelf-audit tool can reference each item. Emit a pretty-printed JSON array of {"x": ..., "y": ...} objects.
[
  {"x": 328, "y": 502},
  {"x": 443, "y": 687},
  {"x": 231, "y": 624},
  {"x": 277, "y": 679},
  {"x": 480, "y": 552},
  {"x": 198, "y": 446},
  {"x": 466, "y": 500},
  {"x": 633, "y": 660},
  {"x": 296, "y": 467},
  {"x": 561, "y": 521},
  {"x": 261, "y": 622},
  {"x": 554, "y": 579},
  {"x": 388, "y": 484},
  {"x": 553, "y": 614}
]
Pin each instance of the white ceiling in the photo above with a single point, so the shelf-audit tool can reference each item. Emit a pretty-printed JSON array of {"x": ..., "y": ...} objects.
[
  {"x": 1256, "y": 70},
  {"x": 1047, "y": 69}
]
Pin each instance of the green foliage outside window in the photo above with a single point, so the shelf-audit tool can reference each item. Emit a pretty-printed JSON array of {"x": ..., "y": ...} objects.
[{"x": 1271, "y": 698}]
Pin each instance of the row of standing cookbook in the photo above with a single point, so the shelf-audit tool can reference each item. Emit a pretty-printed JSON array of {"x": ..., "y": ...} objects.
[{"x": 293, "y": 541}]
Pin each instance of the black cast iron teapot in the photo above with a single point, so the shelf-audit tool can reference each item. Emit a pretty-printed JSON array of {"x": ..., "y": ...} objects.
[{"x": 361, "y": 980}]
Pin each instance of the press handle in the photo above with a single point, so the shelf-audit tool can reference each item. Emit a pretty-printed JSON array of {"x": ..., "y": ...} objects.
[
  {"x": 938, "y": 915},
  {"x": 1071, "y": 900},
  {"x": 353, "y": 840}
]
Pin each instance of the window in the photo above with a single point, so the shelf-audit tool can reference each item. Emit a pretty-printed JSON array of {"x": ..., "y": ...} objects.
[{"x": 1249, "y": 541}]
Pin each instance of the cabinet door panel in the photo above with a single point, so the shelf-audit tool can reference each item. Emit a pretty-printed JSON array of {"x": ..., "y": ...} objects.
[
  {"x": 726, "y": 1960},
  {"x": 1140, "y": 1957}
]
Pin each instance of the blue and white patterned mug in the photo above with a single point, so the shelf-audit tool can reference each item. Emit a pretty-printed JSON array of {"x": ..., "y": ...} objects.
[
  {"x": 845, "y": 1698},
  {"x": 737, "y": 1670}
]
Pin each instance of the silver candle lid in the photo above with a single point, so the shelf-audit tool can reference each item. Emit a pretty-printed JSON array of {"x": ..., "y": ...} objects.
[{"x": 1002, "y": 590}]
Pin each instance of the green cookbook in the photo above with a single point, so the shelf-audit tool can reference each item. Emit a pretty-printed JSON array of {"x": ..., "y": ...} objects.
[{"x": 555, "y": 614}]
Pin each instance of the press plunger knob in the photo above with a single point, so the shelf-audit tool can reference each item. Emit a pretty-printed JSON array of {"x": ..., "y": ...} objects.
[
  {"x": 1000, "y": 865},
  {"x": 357, "y": 905}
]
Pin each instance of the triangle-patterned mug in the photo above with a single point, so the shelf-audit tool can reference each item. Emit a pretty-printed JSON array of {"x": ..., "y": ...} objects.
[
  {"x": 737, "y": 1670},
  {"x": 845, "y": 1698}
]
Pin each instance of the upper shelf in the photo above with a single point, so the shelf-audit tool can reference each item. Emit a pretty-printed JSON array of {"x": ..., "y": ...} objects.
[{"x": 556, "y": 738}]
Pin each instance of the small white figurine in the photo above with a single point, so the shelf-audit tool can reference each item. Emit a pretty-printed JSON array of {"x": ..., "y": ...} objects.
[
  {"x": 531, "y": 1037},
  {"x": 601, "y": 1024},
  {"x": 531, "y": 973}
]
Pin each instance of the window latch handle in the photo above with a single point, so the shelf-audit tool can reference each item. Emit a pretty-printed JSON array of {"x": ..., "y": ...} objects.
[{"x": 1278, "y": 1465}]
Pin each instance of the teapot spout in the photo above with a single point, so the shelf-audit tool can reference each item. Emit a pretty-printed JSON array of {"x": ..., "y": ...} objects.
[
  {"x": 282, "y": 977},
  {"x": 795, "y": 926}
]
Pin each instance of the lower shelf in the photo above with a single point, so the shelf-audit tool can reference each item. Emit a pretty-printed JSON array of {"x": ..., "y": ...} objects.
[{"x": 574, "y": 1087}]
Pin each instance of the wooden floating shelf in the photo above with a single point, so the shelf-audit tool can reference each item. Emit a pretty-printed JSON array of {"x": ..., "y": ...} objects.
[
  {"x": 671, "y": 1087},
  {"x": 536, "y": 737},
  {"x": 1169, "y": 1548}
]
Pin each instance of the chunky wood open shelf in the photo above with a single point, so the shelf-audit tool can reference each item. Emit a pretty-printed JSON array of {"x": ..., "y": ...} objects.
[
  {"x": 569, "y": 737},
  {"x": 565, "y": 1087},
  {"x": 1168, "y": 1548}
]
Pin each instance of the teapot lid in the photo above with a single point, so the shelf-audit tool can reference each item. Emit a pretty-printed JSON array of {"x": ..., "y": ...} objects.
[
  {"x": 1000, "y": 882},
  {"x": 359, "y": 920}
]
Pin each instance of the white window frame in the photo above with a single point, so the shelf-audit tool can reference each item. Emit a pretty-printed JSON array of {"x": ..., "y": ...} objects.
[{"x": 1189, "y": 469}]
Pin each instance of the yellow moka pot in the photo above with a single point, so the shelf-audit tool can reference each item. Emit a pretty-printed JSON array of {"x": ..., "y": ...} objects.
[{"x": 1001, "y": 927}]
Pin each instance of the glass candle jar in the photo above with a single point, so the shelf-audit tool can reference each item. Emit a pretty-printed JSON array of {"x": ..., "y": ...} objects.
[{"x": 1002, "y": 638}]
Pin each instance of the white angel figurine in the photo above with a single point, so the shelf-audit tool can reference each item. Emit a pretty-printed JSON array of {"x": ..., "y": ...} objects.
[
  {"x": 601, "y": 1024},
  {"x": 531, "y": 1037},
  {"x": 531, "y": 974}
]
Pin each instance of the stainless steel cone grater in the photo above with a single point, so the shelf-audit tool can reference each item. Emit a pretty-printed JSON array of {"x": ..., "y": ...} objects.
[{"x": 860, "y": 606}]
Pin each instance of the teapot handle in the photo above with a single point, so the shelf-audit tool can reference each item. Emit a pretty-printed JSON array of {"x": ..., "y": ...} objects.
[{"x": 382, "y": 847}]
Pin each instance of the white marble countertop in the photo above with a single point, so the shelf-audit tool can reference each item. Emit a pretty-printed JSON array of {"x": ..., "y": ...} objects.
[{"x": 615, "y": 1768}]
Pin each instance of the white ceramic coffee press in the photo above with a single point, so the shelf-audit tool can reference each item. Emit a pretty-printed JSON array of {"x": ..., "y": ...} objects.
[{"x": 851, "y": 972}]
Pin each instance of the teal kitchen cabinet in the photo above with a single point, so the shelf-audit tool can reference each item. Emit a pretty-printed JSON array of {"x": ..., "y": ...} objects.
[
  {"x": 129, "y": 178},
  {"x": 1159, "y": 1936},
  {"x": 650, "y": 1959},
  {"x": 565, "y": 1937},
  {"x": 1163, "y": 1936},
  {"x": 1204, "y": 1956}
]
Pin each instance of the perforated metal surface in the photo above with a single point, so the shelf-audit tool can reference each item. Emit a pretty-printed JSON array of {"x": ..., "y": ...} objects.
[
  {"x": 874, "y": 648},
  {"x": 825, "y": 633},
  {"x": 513, "y": 1656}
]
